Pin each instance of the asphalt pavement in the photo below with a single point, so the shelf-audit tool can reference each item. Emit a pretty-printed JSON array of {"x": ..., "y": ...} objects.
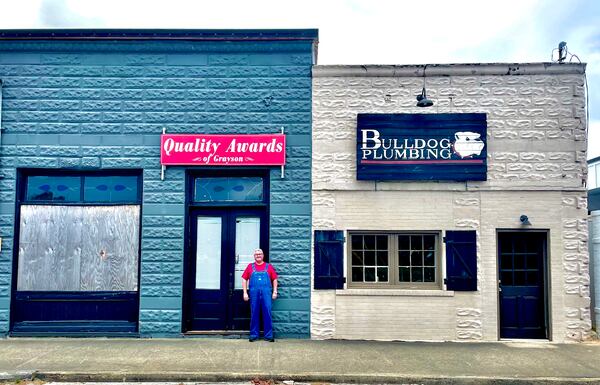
[{"x": 307, "y": 361}]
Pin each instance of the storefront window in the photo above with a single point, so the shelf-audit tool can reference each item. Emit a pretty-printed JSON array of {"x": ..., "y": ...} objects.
[
  {"x": 79, "y": 232},
  {"x": 394, "y": 259}
]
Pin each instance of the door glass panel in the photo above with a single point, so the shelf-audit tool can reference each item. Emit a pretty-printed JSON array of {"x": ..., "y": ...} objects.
[
  {"x": 208, "y": 253},
  {"x": 247, "y": 239}
]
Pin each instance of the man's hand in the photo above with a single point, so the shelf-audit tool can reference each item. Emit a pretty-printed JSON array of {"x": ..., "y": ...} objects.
[
  {"x": 274, "y": 294},
  {"x": 246, "y": 298}
]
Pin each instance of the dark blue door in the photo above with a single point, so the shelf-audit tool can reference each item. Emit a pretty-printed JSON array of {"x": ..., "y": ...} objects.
[
  {"x": 222, "y": 242},
  {"x": 522, "y": 285}
]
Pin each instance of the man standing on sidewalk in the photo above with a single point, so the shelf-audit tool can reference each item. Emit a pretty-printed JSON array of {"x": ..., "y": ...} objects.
[{"x": 262, "y": 279}]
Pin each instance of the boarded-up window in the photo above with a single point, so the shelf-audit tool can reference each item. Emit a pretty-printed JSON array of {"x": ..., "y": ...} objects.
[{"x": 78, "y": 248}]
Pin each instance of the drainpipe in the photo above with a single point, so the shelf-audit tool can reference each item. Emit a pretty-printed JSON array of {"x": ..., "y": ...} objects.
[
  {"x": 594, "y": 230},
  {"x": 0, "y": 111}
]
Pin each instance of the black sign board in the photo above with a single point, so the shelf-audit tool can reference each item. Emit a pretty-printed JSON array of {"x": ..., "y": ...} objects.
[{"x": 421, "y": 147}]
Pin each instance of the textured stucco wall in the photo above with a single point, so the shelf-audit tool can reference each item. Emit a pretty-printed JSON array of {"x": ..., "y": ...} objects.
[
  {"x": 536, "y": 166},
  {"x": 103, "y": 105}
]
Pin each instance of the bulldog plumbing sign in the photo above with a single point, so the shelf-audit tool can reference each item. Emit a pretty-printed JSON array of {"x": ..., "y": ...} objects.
[
  {"x": 421, "y": 147},
  {"x": 222, "y": 150}
]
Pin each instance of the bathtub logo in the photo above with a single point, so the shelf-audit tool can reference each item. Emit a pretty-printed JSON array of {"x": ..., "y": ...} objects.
[{"x": 467, "y": 144}]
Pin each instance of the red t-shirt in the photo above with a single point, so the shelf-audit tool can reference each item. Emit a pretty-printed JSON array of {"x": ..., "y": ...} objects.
[{"x": 271, "y": 271}]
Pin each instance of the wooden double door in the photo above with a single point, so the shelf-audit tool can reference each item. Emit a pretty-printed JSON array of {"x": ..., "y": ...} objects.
[{"x": 222, "y": 243}]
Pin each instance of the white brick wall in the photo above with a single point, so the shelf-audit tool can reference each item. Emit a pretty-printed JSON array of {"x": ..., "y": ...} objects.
[{"x": 536, "y": 166}]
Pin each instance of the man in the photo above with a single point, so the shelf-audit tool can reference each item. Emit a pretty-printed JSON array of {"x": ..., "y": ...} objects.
[{"x": 262, "y": 279}]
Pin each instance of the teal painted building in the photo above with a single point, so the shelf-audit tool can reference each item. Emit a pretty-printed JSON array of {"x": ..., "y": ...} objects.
[{"x": 95, "y": 240}]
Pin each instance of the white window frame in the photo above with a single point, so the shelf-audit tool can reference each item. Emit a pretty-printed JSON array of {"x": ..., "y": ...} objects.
[{"x": 393, "y": 261}]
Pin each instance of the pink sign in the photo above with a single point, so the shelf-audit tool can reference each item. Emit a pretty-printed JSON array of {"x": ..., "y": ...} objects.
[{"x": 222, "y": 150}]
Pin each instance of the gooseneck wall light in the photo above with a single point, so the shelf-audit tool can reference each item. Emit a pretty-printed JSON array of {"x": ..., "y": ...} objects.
[{"x": 422, "y": 100}]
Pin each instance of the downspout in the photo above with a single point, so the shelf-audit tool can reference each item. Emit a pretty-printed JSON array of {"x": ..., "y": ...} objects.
[
  {"x": 0, "y": 112},
  {"x": 594, "y": 231}
]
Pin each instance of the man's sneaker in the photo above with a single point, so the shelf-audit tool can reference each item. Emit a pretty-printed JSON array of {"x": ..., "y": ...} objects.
[
  {"x": 270, "y": 339},
  {"x": 252, "y": 339}
]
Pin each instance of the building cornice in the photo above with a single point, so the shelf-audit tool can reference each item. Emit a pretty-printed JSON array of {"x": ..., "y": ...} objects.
[{"x": 476, "y": 69}]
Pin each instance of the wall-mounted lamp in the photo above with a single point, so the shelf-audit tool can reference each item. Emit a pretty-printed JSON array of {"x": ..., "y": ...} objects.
[
  {"x": 524, "y": 220},
  {"x": 422, "y": 100}
]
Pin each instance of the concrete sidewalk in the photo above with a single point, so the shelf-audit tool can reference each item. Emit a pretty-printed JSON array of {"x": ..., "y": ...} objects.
[{"x": 214, "y": 359}]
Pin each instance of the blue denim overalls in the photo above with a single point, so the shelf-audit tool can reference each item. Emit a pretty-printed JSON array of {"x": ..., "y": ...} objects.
[{"x": 260, "y": 300}]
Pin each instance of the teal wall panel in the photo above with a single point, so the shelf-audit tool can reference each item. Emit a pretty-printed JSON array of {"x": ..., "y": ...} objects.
[{"x": 103, "y": 104}]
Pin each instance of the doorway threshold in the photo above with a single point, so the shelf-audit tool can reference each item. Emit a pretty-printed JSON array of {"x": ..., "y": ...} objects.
[
  {"x": 525, "y": 340},
  {"x": 228, "y": 334}
]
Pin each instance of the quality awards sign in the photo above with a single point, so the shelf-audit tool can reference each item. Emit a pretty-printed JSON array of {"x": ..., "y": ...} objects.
[{"x": 222, "y": 150}]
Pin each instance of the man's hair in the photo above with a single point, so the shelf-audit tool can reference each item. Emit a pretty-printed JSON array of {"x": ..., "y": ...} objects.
[{"x": 259, "y": 250}]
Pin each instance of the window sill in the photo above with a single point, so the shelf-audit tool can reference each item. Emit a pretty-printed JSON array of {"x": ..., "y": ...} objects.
[{"x": 396, "y": 292}]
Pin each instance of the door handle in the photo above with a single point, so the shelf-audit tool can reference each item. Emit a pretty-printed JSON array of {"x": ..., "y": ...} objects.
[
  {"x": 499, "y": 286},
  {"x": 237, "y": 259}
]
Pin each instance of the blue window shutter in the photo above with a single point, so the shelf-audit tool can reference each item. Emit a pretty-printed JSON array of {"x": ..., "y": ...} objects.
[
  {"x": 329, "y": 259},
  {"x": 461, "y": 260}
]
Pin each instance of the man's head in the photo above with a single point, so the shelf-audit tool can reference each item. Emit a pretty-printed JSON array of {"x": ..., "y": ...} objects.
[{"x": 259, "y": 256}]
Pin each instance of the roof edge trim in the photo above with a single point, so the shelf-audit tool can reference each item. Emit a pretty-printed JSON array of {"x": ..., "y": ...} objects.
[
  {"x": 476, "y": 69},
  {"x": 160, "y": 34}
]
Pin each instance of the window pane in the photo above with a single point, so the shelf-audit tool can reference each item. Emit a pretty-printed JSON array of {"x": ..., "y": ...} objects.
[
  {"x": 369, "y": 242},
  {"x": 506, "y": 261},
  {"x": 382, "y": 274},
  {"x": 417, "y": 274},
  {"x": 507, "y": 278},
  {"x": 247, "y": 239},
  {"x": 404, "y": 258},
  {"x": 382, "y": 242},
  {"x": 404, "y": 274},
  {"x": 357, "y": 274},
  {"x": 369, "y": 274},
  {"x": 416, "y": 242},
  {"x": 382, "y": 258},
  {"x": 532, "y": 262},
  {"x": 226, "y": 189},
  {"x": 369, "y": 258},
  {"x": 357, "y": 242},
  {"x": 54, "y": 188},
  {"x": 429, "y": 242},
  {"x": 520, "y": 261},
  {"x": 416, "y": 258},
  {"x": 110, "y": 189},
  {"x": 403, "y": 242},
  {"x": 532, "y": 278},
  {"x": 429, "y": 258},
  {"x": 357, "y": 258},
  {"x": 208, "y": 253},
  {"x": 519, "y": 278},
  {"x": 429, "y": 274}
]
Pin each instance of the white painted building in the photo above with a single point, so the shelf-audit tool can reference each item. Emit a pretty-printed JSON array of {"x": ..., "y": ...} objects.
[
  {"x": 528, "y": 217},
  {"x": 594, "y": 223}
]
